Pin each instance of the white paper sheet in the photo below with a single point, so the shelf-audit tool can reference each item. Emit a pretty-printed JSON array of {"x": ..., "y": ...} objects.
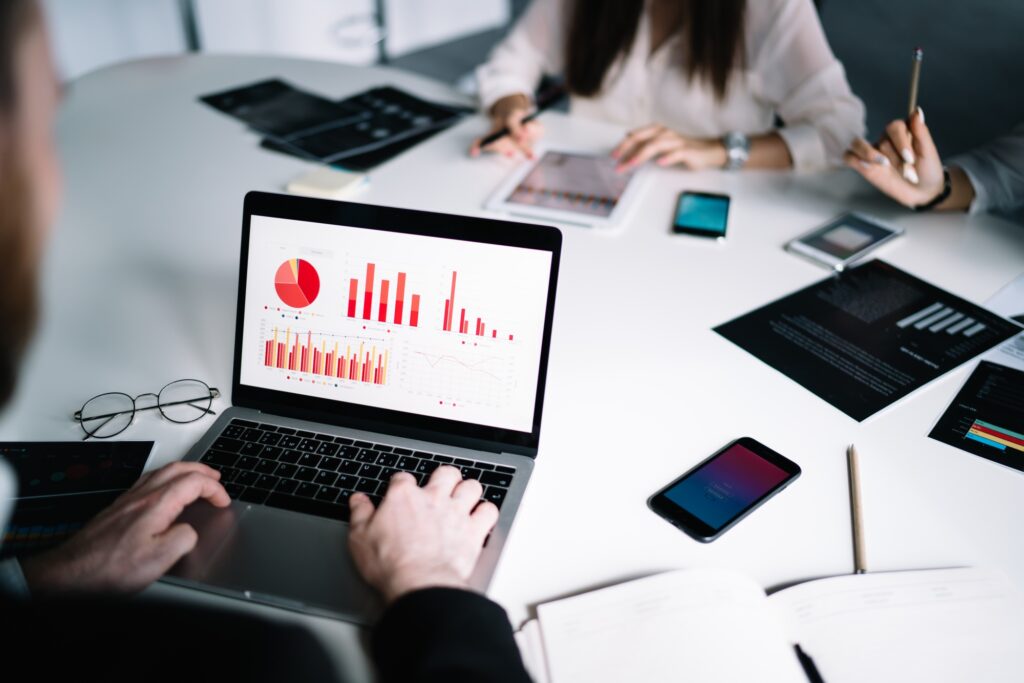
[
  {"x": 708, "y": 626},
  {"x": 940, "y": 625},
  {"x": 1009, "y": 303}
]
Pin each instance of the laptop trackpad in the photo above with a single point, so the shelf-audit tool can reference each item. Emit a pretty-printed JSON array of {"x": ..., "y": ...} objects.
[{"x": 282, "y": 558}]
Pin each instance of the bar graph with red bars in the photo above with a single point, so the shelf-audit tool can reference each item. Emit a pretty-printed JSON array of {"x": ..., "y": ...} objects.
[
  {"x": 380, "y": 314},
  {"x": 479, "y": 328},
  {"x": 287, "y": 352}
]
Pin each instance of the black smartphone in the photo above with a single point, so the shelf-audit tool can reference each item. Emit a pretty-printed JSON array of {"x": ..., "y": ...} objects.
[
  {"x": 723, "y": 489},
  {"x": 701, "y": 213}
]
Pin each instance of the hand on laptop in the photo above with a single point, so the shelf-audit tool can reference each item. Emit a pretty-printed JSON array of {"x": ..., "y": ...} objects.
[
  {"x": 421, "y": 537},
  {"x": 134, "y": 541}
]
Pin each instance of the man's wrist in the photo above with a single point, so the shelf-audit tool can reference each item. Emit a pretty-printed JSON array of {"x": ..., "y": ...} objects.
[
  {"x": 401, "y": 585},
  {"x": 51, "y": 572}
]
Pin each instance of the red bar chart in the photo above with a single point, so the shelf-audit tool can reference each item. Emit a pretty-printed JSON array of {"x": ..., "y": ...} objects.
[
  {"x": 383, "y": 290},
  {"x": 388, "y": 300},
  {"x": 297, "y": 352},
  {"x": 479, "y": 329}
]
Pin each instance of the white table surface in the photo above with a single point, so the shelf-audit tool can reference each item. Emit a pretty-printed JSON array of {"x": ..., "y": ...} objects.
[{"x": 140, "y": 287}]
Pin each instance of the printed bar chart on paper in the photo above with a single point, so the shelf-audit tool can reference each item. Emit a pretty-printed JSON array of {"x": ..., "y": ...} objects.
[
  {"x": 297, "y": 352},
  {"x": 996, "y": 437},
  {"x": 937, "y": 318},
  {"x": 986, "y": 417}
]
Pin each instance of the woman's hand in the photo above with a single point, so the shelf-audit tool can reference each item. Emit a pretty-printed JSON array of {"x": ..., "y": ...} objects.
[
  {"x": 509, "y": 112},
  {"x": 668, "y": 148},
  {"x": 904, "y": 164}
]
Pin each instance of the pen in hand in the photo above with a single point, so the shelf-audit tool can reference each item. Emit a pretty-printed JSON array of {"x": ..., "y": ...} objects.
[
  {"x": 499, "y": 134},
  {"x": 909, "y": 172}
]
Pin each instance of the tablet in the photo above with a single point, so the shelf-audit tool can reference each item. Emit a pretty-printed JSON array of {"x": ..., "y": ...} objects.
[
  {"x": 844, "y": 240},
  {"x": 567, "y": 187}
]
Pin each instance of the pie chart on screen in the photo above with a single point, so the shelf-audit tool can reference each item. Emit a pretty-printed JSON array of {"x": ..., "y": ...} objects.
[{"x": 297, "y": 283}]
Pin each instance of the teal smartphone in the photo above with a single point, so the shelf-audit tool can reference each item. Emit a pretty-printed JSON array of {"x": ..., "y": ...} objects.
[{"x": 704, "y": 214}]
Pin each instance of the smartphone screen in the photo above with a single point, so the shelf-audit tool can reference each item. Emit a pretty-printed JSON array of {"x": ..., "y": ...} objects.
[
  {"x": 723, "y": 489},
  {"x": 701, "y": 213}
]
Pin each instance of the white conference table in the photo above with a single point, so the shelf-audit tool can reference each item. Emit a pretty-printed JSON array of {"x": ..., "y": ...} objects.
[{"x": 140, "y": 287}]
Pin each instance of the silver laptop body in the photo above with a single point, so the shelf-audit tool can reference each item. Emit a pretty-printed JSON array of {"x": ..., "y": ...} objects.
[{"x": 290, "y": 551}]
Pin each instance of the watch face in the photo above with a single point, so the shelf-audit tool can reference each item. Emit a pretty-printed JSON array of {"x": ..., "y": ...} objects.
[{"x": 737, "y": 148}]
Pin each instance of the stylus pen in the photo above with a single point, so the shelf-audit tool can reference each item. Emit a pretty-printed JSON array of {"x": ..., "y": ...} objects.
[
  {"x": 499, "y": 134},
  {"x": 915, "y": 80},
  {"x": 544, "y": 100},
  {"x": 859, "y": 564}
]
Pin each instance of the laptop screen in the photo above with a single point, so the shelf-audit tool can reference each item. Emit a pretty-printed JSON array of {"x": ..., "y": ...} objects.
[{"x": 424, "y": 325}]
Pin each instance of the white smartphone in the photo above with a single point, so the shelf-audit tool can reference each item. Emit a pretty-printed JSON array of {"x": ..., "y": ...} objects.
[{"x": 844, "y": 240}]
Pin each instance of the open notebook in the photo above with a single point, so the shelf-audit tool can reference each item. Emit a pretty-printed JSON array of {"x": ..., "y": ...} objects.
[{"x": 934, "y": 625}]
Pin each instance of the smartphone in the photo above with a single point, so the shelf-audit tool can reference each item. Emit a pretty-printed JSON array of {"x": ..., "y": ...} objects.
[
  {"x": 701, "y": 213},
  {"x": 844, "y": 240},
  {"x": 716, "y": 494}
]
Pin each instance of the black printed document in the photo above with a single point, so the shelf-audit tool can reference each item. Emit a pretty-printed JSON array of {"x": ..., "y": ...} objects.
[
  {"x": 865, "y": 338},
  {"x": 987, "y": 416}
]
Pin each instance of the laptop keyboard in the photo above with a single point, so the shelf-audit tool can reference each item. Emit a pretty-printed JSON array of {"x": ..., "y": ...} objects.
[{"x": 316, "y": 473}]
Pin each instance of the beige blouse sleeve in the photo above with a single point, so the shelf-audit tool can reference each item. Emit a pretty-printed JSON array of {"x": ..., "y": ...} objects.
[
  {"x": 533, "y": 47},
  {"x": 804, "y": 81}
]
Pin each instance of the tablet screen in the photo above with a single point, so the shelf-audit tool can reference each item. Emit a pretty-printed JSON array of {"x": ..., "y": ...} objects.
[
  {"x": 577, "y": 183},
  {"x": 847, "y": 236}
]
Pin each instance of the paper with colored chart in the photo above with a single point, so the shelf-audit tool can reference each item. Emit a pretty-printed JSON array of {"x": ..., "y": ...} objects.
[{"x": 987, "y": 416}]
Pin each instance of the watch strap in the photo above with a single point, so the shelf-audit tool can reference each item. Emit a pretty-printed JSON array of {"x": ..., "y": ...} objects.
[{"x": 947, "y": 189}]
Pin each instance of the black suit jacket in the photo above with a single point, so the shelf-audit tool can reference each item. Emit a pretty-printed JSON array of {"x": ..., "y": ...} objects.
[{"x": 437, "y": 634}]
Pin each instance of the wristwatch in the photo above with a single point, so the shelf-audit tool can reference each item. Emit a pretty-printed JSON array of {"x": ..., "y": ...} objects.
[{"x": 737, "y": 150}]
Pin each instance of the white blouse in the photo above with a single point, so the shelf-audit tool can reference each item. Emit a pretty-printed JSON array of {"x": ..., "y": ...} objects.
[{"x": 790, "y": 71}]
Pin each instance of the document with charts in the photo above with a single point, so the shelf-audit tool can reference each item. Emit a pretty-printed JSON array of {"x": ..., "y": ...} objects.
[
  {"x": 866, "y": 338},
  {"x": 986, "y": 417}
]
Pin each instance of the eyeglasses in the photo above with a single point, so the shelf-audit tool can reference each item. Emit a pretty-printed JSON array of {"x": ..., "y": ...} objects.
[{"x": 183, "y": 401}]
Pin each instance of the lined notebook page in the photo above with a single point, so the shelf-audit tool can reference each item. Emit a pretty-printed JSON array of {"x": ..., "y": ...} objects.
[
  {"x": 679, "y": 626},
  {"x": 938, "y": 625}
]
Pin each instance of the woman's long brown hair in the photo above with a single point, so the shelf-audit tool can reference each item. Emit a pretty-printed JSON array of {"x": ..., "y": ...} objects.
[{"x": 600, "y": 31}]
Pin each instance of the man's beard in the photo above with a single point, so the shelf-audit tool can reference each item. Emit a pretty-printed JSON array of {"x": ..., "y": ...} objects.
[{"x": 18, "y": 273}]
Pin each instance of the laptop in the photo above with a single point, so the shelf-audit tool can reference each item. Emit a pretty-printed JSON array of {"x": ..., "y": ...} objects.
[{"x": 368, "y": 341}]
